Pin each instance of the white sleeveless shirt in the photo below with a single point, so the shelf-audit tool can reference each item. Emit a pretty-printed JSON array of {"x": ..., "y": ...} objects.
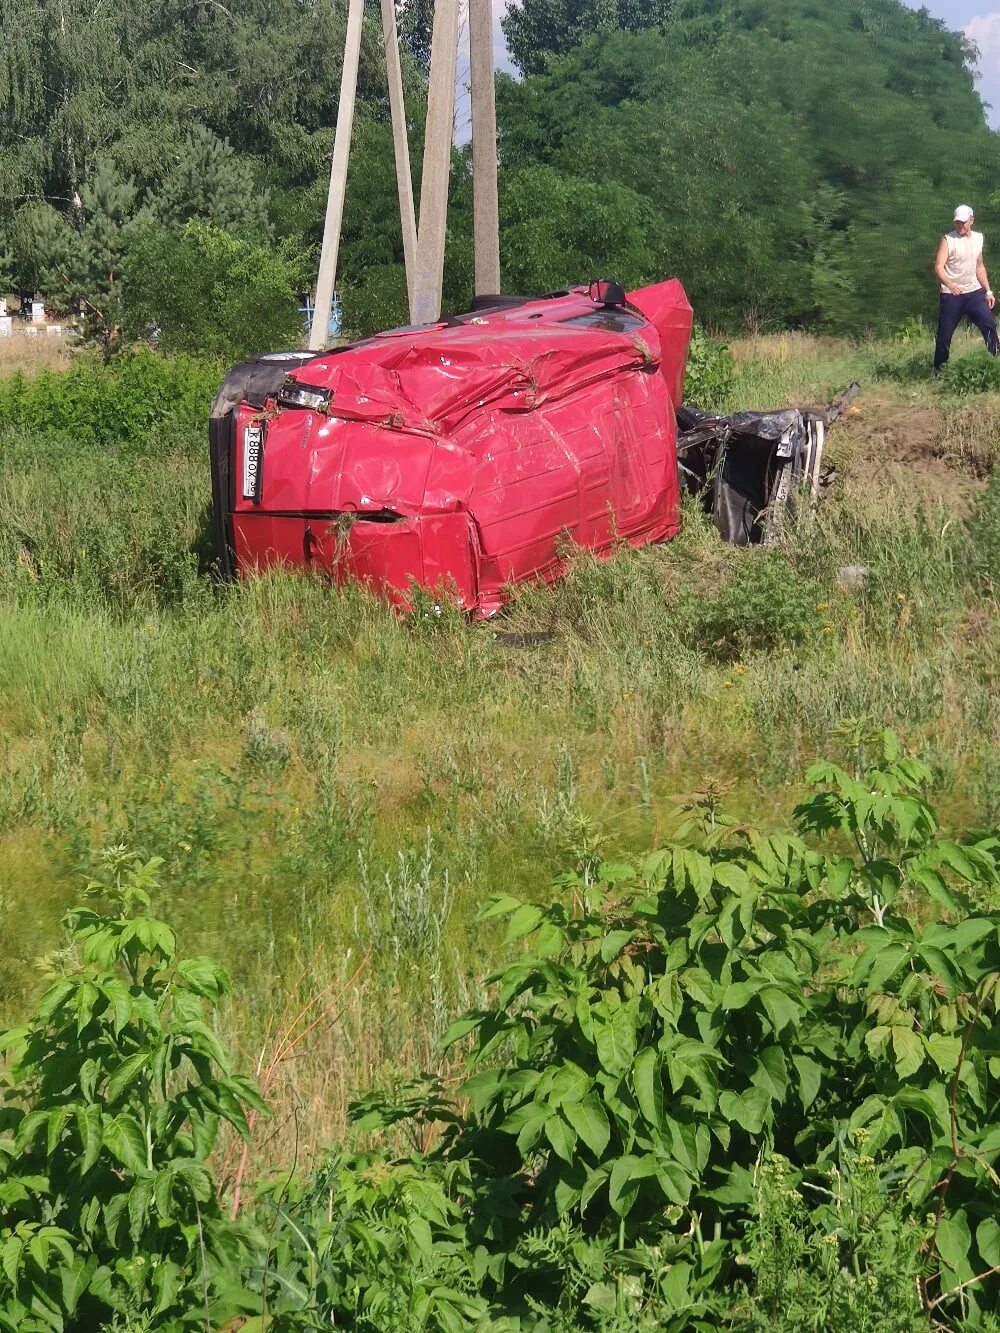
[{"x": 964, "y": 253}]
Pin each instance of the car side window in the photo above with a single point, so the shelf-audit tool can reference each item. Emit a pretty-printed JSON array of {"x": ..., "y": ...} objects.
[{"x": 610, "y": 319}]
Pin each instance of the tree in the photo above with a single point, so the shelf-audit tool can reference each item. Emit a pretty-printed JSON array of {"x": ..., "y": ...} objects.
[
  {"x": 208, "y": 181},
  {"x": 799, "y": 160},
  {"x": 204, "y": 290},
  {"x": 538, "y": 29},
  {"x": 792, "y": 162},
  {"x": 559, "y": 230},
  {"x": 80, "y": 257},
  {"x": 6, "y": 267}
]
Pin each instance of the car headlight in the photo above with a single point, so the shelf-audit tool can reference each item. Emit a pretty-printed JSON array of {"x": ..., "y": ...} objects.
[{"x": 295, "y": 394}]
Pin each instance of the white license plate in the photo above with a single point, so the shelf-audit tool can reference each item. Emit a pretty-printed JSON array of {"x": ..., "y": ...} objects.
[{"x": 253, "y": 457}]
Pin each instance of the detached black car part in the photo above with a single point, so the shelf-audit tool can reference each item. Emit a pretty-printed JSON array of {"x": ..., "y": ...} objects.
[{"x": 752, "y": 469}]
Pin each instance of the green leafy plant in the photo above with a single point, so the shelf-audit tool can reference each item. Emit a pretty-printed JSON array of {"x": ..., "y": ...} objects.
[
  {"x": 204, "y": 291},
  {"x": 745, "y": 1084},
  {"x": 710, "y": 373},
  {"x": 113, "y": 1095},
  {"x": 763, "y": 603},
  {"x": 831, "y": 1250},
  {"x": 126, "y": 405},
  {"x": 977, "y": 373},
  {"x": 740, "y": 991},
  {"x": 81, "y": 254}
]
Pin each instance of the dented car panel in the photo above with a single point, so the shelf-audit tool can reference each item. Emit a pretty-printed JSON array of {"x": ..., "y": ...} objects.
[{"x": 464, "y": 456}]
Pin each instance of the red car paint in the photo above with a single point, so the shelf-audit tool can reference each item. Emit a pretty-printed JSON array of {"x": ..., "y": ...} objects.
[{"x": 465, "y": 456}]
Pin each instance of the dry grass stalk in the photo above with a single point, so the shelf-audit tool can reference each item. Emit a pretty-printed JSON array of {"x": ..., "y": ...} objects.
[
  {"x": 293, "y": 1030},
  {"x": 26, "y": 354}
]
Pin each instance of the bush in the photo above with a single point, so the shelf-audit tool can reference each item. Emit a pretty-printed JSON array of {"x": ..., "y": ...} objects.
[
  {"x": 709, "y": 379},
  {"x": 977, "y": 373},
  {"x": 97, "y": 494},
  {"x": 732, "y": 1087},
  {"x": 124, "y": 403},
  {"x": 763, "y": 603},
  {"x": 203, "y": 291},
  {"x": 670, "y": 1029},
  {"x": 560, "y": 229},
  {"x": 112, "y": 1102},
  {"x": 375, "y": 300}
]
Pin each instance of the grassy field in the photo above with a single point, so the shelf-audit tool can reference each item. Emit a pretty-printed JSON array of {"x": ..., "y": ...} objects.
[
  {"x": 333, "y": 789},
  {"x": 29, "y": 353}
]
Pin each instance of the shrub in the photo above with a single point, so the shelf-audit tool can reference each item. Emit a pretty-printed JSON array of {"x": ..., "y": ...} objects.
[
  {"x": 977, "y": 373},
  {"x": 732, "y": 1087},
  {"x": 375, "y": 300},
  {"x": 205, "y": 292},
  {"x": 670, "y": 1028},
  {"x": 763, "y": 603},
  {"x": 709, "y": 379},
  {"x": 112, "y": 1101},
  {"x": 123, "y": 404}
]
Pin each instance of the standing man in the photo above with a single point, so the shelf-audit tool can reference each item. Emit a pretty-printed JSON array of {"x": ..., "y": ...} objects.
[{"x": 965, "y": 288}]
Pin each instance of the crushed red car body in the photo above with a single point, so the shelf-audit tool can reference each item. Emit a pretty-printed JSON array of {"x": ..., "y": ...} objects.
[{"x": 463, "y": 456}]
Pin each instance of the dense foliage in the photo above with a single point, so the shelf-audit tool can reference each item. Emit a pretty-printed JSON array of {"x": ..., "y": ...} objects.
[
  {"x": 792, "y": 162},
  {"x": 748, "y": 1083},
  {"x": 800, "y": 159},
  {"x": 113, "y": 1100}
]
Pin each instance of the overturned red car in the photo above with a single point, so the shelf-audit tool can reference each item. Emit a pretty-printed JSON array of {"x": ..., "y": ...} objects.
[{"x": 463, "y": 456}]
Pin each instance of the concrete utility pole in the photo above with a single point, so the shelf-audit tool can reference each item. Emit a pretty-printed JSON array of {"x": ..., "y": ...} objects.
[
  {"x": 438, "y": 136},
  {"x": 326, "y": 281},
  {"x": 423, "y": 248},
  {"x": 485, "y": 204},
  {"x": 401, "y": 147}
]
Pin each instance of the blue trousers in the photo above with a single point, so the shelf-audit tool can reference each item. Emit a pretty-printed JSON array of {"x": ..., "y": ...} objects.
[{"x": 971, "y": 306}]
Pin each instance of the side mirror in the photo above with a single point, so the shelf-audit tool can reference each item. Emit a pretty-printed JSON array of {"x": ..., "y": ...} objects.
[{"x": 607, "y": 292}]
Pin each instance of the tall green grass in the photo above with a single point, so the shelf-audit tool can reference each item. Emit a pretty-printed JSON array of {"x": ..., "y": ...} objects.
[{"x": 337, "y": 787}]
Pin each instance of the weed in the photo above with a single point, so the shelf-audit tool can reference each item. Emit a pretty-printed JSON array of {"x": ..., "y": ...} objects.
[
  {"x": 709, "y": 378},
  {"x": 405, "y": 914},
  {"x": 978, "y": 373},
  {"x": 982, "y": 538},
  {"x": 834, "y": 1252},
  {"x": 764, "y": 604}
]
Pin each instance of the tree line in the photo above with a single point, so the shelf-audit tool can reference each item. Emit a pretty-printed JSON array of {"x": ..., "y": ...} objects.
[{"x": 163, "y": 166}]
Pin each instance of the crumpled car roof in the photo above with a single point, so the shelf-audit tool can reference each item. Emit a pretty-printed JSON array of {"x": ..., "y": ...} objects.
[{"x": 467, "y": 454}]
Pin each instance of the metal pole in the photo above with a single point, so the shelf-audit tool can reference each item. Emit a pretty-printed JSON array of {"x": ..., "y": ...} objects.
[
  {"x": 401, "y": 147},
  {"x": 439, "y": 133},
  {"x": 485, "y": 204},
  {"x": 327, "y": 278}
]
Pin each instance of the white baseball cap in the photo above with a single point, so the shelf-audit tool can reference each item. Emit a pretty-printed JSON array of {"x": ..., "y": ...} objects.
[{"x": 964, "y": 213}]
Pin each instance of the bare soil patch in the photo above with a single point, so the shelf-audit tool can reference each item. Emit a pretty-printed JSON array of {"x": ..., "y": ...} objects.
[{"x": 917, "y": 445}]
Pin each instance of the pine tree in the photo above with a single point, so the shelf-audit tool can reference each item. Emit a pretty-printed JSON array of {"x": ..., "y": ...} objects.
[
  {"x": 81, "y": 256},
  {"x": 209, "y": 182}
]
